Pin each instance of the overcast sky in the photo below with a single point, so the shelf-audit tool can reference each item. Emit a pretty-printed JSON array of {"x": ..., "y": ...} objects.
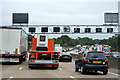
[{"x": 82, "y": 12}]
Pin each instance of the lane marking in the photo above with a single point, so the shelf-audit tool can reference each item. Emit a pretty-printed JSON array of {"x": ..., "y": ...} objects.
[
  {"x": 114, "y": 74},
  {"x": 60, "y": 68},
  {"x": 72, "y": 77},
  {"x": 20, "y": 68},
  {"x": 111, "y": 73},
  {"x": 10, "y": 78}
]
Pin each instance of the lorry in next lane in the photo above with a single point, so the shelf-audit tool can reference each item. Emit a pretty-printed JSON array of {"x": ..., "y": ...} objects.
[
  {"x": 13, "y": 45},
  {"x": 43, "y": 52}
]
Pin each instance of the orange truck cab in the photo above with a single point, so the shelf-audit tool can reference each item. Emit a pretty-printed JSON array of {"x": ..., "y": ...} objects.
[{"x": 43, "y": 53}]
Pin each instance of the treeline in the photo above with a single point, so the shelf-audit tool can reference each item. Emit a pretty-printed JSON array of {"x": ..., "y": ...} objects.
[{"x": 66, "y": 41}]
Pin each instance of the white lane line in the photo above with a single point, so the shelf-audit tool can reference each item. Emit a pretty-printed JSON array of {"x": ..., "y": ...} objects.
[
  {"x": 20, "y": 68},
  {"x": 10, "y": 78},
  {"x": 111, "y": 73},
  {"x": 73, "y": 77},
  {"x": 60, "y": 68},
  {"x": 72, "y": 61},
  {"x": 114, "y": 74}
]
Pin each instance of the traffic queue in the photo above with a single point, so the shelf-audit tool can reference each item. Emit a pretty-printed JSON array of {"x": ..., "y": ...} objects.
[{"x": 45, "y": 52}]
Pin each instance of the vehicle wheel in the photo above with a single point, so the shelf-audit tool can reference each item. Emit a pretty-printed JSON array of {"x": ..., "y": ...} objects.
[
  {"x": 96, "y": 71},
  {"x": 31, "y": 66},
  {"x": 105, "y": 72},
  {"x": 76, "y": 69},
  {"x": 82, "y": 70}
]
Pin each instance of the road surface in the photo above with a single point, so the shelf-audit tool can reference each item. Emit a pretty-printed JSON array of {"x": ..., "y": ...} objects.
[{"x": 65, "y": 70}]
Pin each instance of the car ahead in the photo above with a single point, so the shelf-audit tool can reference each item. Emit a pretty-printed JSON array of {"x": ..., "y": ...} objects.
[
  {"x": 115, "y": 54},
  {"x": 65, "y": 56},
  {"x": 92, "y": 61}
]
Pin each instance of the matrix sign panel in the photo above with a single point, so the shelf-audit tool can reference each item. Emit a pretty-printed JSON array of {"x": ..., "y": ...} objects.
[
  {"x": 32, "y": 29},
  {"x": 76, "y": 30},
  {"x": 98, "y": 30},
  {"x": 87, "y": 30},
  {"x": 66, "y": 29},
  {"x": 20, "y": 18},
  {"x": 44, "y": 29},
  {"x": 109, "y": 30},
  {"x": 111, "y": 17},
  {"x": 56, "y": 29}
]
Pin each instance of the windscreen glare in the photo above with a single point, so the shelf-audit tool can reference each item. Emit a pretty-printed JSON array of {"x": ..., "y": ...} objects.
[{"x": 96, "y": 55}]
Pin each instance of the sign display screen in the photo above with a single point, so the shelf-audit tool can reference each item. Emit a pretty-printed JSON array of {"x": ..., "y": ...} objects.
[
  {"x": 20, "y": 18},
  {"x": 42, "y": 38},
  {"x": 111, "y": 17}
]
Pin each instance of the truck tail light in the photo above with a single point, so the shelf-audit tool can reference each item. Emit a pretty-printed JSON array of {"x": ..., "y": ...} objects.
[
  {"x": 86, "y": 60},
  {"x": 55, "y": 61},
  {"x": 32, "y": 60},
  {"x": 106, "y": 60}
]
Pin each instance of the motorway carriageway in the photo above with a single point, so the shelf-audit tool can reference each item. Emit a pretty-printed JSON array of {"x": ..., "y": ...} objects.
[{"x": 65, "y": 70}]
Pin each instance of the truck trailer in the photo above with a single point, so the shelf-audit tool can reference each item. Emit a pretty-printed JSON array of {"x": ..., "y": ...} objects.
[
  {"x": 43, "y": 53},
  {"x": 13, "y": 45}
]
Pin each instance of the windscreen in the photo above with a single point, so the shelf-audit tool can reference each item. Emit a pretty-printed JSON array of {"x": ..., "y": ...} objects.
[
  {"x": 44, "y": 56},
  {"x": 96, "y": 55}
]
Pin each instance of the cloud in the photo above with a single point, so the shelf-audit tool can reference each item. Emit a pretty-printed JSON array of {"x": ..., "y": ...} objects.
[
  {"x": 59, "y": 13},
  {"x": 60, "y": 1}
]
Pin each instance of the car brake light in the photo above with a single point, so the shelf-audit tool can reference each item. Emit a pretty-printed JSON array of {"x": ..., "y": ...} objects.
[
  {"x": 106, "y": 60},
  {"x": 86, "y": 60}
]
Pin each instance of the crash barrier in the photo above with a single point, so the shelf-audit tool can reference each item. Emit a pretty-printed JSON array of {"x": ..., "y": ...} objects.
[{"x": 114, "y": 63}]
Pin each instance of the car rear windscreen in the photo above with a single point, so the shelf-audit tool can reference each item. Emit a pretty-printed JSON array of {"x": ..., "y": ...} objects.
[{"x": 96, "y": 55}]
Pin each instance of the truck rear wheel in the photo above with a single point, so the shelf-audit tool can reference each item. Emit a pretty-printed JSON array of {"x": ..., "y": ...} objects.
[{"x": 31, "y": 66}]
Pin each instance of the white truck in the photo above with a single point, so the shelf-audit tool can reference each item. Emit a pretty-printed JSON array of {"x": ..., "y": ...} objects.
[{"x": 13, "y": 45}]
